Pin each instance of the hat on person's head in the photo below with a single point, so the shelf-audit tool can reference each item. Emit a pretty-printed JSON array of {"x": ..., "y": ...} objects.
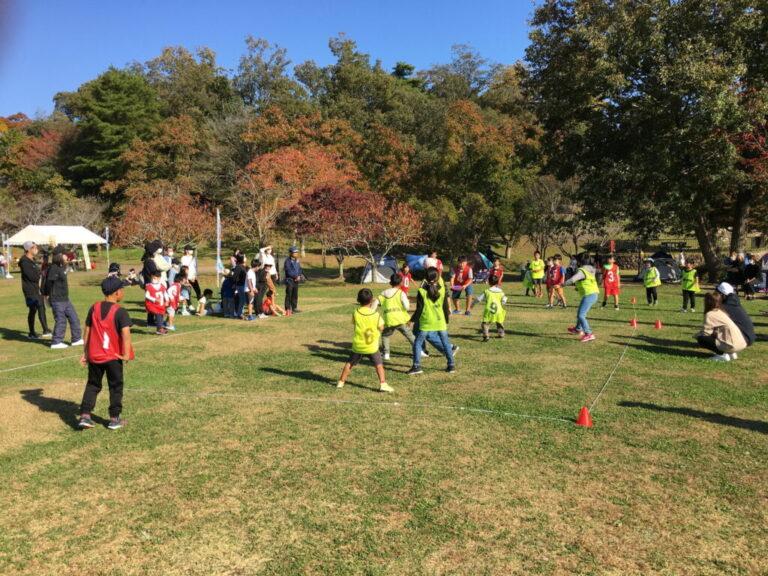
[
  {"x": 725, "y": 289},
  {"x": 114, "y": 267},
  {"x": 110, "y": 285},
  {"x": 267, "y": 265},
  {"x": 28, "y": 245},
  {"x": 293, "y": 250}
]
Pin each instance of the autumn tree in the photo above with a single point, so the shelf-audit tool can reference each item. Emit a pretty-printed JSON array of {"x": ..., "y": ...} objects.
[
  {"x": 159, "y": 209},
  {"x": 274, "y": 182}
]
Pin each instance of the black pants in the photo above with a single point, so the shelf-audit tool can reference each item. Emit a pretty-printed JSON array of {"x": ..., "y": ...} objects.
[
  {"x": 258, "y": 301},
  {"x": 156, "y": 320},
  {"x": 709, "y": 342},
  {"x": 114, "y": 371},
  {"x": 37, "y": 307},
  {"x": 291, "y": 295},
  {"x": 196, "y": 287},
  {"x": 651, "y": 295},
  {"x": 689, "y": 296}
]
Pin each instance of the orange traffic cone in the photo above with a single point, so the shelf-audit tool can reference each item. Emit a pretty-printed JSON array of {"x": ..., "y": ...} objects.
[
  {"x": 658, "y": 325},
  {"x": 584, "y": 419},
  {"x": 633, "y": 322},
  {"x": 634, "y": 300}
]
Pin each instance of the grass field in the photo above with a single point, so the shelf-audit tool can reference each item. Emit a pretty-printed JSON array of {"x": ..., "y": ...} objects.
[{"x": 240, "y": 457}]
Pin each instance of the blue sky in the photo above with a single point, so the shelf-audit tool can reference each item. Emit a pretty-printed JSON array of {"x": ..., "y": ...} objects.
[{"x": 47, "y": 46}]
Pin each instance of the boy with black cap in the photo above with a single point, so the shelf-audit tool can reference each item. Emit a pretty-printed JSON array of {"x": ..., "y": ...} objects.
[
  {"x": 293, "y": 276},
  {"x": 107, "y": 345}
]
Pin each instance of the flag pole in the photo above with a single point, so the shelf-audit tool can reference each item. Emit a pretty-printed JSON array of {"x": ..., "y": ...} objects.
[{"x": 219, "y": 269}]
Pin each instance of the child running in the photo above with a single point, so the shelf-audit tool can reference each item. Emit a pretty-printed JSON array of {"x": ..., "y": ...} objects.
[
  {"x": 107, "y": 346},
  {"x": 431, "y": 320},
  {"x": 406, "y": 278},
  {"x": 586, "y": 284},
  {"x": 155, "y": 301},
  {"x": 394, "y": 309},
  {"x": 368, "y": 325},
  {"x": 555, "y": 280},
  {"x": 494, "y": 312},
  {"x": 651, "y": 281},
  {"x": 690, "y": 286},
  {"x": 611, "y": 282}
]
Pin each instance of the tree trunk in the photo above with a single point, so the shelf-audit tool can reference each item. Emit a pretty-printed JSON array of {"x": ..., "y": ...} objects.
[
  {"x": 340, "y": 260},
  {"x": 708, "y": 246},
  {"x": 575, "y": 239},
  {"x": 740, "y": 218},
  {"x": 303, "y": 250},
  {"x": 322, "y": 254},
  {"x": 507, "y": 250}
]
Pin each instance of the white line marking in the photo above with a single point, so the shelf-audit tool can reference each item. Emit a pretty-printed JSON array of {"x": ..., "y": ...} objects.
[{"x": 616, "y": 367}]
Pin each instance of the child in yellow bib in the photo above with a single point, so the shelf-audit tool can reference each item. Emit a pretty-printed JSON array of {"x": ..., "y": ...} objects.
[
  {"x": 393, "y": 304},
  {"x": 493, "y": 312},
  {"x": 651, "y": 281},
  {"x": 690, "y": 286},
  {"x": 368, "y": 325}
]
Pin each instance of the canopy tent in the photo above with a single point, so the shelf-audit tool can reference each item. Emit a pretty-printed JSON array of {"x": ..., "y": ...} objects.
[
  {"x": 53, "y": 235},
  {"x": 385, "y": 267}
]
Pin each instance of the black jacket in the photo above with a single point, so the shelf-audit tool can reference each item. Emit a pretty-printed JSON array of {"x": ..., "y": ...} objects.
[
  {"x": 30, "y": 277},
  {"x": 56, "y": 286},
  {"x": 420, "y": 307},
  {"x": 740, "y": 317}
]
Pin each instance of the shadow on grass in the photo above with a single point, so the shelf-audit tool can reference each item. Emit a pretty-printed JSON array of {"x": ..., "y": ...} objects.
[
  {"x": 305, "y": 375},
  {"x": 66, "y": 410},
  {"x": 714, "y": 417},
  {"x": 21, "y": 336},
  {"x": 677, "y": 348}
]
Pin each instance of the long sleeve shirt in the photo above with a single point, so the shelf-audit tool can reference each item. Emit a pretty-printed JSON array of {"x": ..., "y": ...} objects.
[
  {"x": 292, "y": 269},
  {"x": 56, "y": 284},
  {"x": 580, "y": 275},
  {"x": 30, "y": 277},
  {"x": 420, "y": 307}
]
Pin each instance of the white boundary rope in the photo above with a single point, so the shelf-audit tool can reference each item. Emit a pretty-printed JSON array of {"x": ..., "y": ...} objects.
[
  {"x": 62, "y": 358},
  {"x": 352, "y": 402},
  {"x": 616, "y": 367}
]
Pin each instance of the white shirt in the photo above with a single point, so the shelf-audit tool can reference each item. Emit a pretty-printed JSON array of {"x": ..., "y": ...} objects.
[
  {"x": 388, "y": 293},
  {"x": 250, "y": 280},
  {"x": 492, "y": 289},
  {"x": 268, "y": 259},
  {"x": 190, "y": 262}
]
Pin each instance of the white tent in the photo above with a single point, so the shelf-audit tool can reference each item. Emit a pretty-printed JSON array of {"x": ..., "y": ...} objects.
[
  {"x": 52, "y": 235},
  {"x": 385, "y": 267}
]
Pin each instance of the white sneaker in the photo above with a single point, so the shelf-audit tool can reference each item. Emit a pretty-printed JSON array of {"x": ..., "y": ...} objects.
[
  {"x": 721, "y": 358},
  {"x": 734, "y": 356},
  {"x": 262, "y": 316},
  {"x": 683, "y": 310},
  {"x": 59, "y": 346},
  {"x": 185, "y": 313},
  {"x": 78, "y": 343},
  {"x": 384, "y": 387},
  {"x": 386, "y": 356}
]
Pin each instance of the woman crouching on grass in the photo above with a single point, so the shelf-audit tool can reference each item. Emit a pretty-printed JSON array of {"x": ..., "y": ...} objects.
[
  {"x": 585, "y": 280},
  {"x": 720, "y": 334}
]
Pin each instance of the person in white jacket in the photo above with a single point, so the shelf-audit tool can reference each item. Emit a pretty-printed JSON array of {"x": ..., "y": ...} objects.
[
  {"x": 266, "y": 257},
  {"x": 190, "y": 261},
  {"x": 163, "y": 266},
  {"x": 720, "y": 334}
]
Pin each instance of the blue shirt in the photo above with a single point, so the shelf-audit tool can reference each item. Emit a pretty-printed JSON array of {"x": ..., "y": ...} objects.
[
  {"x": 292, "y": 268},
  {"x": 227, "y": 289}
]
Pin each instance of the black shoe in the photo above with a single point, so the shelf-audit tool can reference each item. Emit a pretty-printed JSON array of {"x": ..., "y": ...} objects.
[
  {"x": 485, "y": 338},
  {"x": 451, "y": 369},
  {"x": 33, "y": 336},
  {"x": 414, "y": 371}
]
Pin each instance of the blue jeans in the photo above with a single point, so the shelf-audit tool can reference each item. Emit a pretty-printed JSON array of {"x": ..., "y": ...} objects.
[
  {"x": 438, "y": 339},
  {"x": 581, "y": 314}
]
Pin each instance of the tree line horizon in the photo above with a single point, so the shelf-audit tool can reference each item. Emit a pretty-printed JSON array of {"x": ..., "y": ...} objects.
[{"x": 624, "y": 120}]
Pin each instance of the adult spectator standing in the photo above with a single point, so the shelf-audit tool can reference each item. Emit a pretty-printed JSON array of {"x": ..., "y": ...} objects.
[
  {"x": 239, "y": 279},
  {"x": 3, "y": 266},
  {"x": 268, "y": 258},
  {"x": 150, "y": 268},
  {"x": 190, "y": 261},
  {"x": 293, "y": 277},
  {"x": 30, "y": 286},
  {"x": 733, "y": 308},
  {"x": 57, "y": 289},
  {"x": 162, "y": 264},
  {"x": 751, "y": 277},
  {"x": 764, "y": 270}
]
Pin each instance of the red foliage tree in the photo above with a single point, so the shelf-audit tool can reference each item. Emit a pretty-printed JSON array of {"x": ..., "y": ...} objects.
[{"x": 159, "y": 209}]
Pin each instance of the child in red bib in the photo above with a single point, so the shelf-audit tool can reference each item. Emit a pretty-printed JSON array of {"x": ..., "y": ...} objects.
[
  {"x": 107, "y": 344},
  {"x": 611, "y": 282},
  {"x": 155, "y": 299}
]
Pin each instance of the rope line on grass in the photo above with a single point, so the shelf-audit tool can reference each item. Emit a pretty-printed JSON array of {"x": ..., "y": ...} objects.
[
  {"x": 352, "y": 402},
  {"x": 616, "y": 367},
  {"x": 70, "y": 357}
]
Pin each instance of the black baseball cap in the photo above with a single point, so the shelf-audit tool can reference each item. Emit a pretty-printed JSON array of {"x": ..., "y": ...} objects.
[{"x": 111, "y": 285}]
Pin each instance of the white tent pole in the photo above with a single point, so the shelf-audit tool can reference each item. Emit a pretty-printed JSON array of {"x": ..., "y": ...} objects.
[
  {"x": 106, "y": 236},
  {"x": 86, "y": 257}
]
